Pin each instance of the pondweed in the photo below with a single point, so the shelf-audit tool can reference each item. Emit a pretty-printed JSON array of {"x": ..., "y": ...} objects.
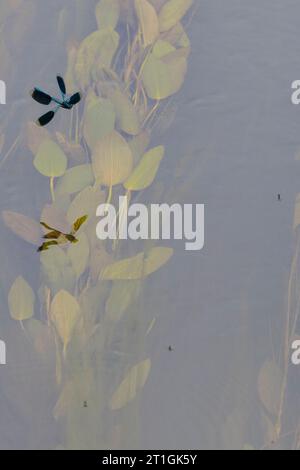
[{"x": 90, "y": 294}]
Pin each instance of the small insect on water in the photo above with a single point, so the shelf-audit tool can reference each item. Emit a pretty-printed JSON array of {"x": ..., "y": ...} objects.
[
  {"x": 66, "y": 102},
  {"x": 55, "y": 237}
]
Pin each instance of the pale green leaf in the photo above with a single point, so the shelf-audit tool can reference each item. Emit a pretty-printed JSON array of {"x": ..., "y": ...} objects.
[
  {"x": 57, "y": 269},
  {"x": 172, "y": 12},
  {"x": 107, "y": 13},
  {"x": 26, "y": 228},
  {"x": 64, "y": 313},
  {"x": 163, "y": 77},
  {"x": 96, "y": 50},
  {"x": 50, "y": 160},
  {"x": 122, "y": 295},
  {"x": 79, "y": 254},
  {"x": 112, "y": 160},
  {"x": 75, "y": 179},
  {"x": 148, "y": 20},
  {"x": 137, "y": 267},
  {"x": 145, "y": 172},
  {"x": 156, "y": 258},
  {"x": 131, "y": 385},
  {"x": 100, "y": 118},
  {"x": 85, "y": 203},
  {"x": 138, "y": 145},
  {"x": 21, "y": 300},
  {"x": 162, "y": 48},
  {"x": 127, "y": 117}
]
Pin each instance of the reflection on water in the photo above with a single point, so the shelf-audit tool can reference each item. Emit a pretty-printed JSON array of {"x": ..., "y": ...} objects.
[{"x": 77, "y": 368}]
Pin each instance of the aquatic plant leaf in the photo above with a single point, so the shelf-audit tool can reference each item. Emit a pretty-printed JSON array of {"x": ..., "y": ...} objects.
[
  {"x": 42, "y": 338},
  {"x": 126, "y": 269},
  {"x": 148, "y": 21},
  {"x": 79, "y": 254},
  {"x": 157, "y": 4},
  {"x": 143, "y": 175},
  {"x": 79, "y": 222},
  {"x": 163, "y": 77},
  {"x": 71, "y": 149},
  {"x": 100, "y": 118},
  {"x": 156, "y": 258},
  {"x": 85, "y": 202},
  {"x": 172, "y": 12},
  {"x": 178, "y": 37},
  {"x": 54, "y": 217},
  {"x": 75, "y": 179},
  {"x": 26, "y": 228},
  {"x": 162, "y": 48},
  {"x": 98, "y": 49},
  {"x": 21, "y": 300},
  {"x": 64, "y": 312},
  {"x": 112, "y": 160},
  {"x": 127, "y": 116},
  {"x": 138, "y": 145},
  {"x": 50, "y": 160},
  {"x": 122, "y": 295},
  {"x": 108, "y": 13},
  {"x": 269, "y": 386},
  {"x": 131, "y": 385},
  {"x": 57, "y": 269},
  {"x": 137, "y": 267}
]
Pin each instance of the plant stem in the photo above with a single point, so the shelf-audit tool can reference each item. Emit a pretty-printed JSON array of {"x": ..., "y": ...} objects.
[{"x": 52, "y": 188}]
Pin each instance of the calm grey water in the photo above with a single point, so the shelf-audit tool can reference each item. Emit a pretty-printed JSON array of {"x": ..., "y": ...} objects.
[{"x": 222, "y": 310}]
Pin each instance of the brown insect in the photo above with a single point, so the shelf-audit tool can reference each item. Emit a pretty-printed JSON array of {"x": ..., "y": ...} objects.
[{"x": 55, "y": 237}]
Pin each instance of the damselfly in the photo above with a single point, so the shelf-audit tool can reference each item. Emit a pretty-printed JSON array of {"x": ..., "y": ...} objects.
[
  {"x": 66, "y": 101},
  {"x": 56, "y": 237}
]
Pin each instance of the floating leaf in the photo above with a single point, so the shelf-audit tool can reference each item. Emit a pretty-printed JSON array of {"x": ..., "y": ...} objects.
[
  {"x": 127, "y": 117},
  {"x": 122, "y": 295},
  {"x": 126, "y": 269},
  {"x": 21, "y": 300},
  {"x": 97, "y": 49},
  {"x": 144, "y": 174},
  {"x": 112, "y": 160},
  {"x": 79, "y": 254},
  {"x": 163, "y": 77},
  {"x": 65, "y": 312},
  {"x": 269, "y": 386},
  {"x": 131, "y": 385},
  {"x": 100, "y": 118},
  {"x": 107, "y": 13},
  {"x": 26, "y": 228},
  {"x": 156, "y": 258},
  {"x": 50, "y": 159},
  {"x": 148, "y": 20},
  {"x": 75, "y": 179},
  {"x": 172, "y": 12}
]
